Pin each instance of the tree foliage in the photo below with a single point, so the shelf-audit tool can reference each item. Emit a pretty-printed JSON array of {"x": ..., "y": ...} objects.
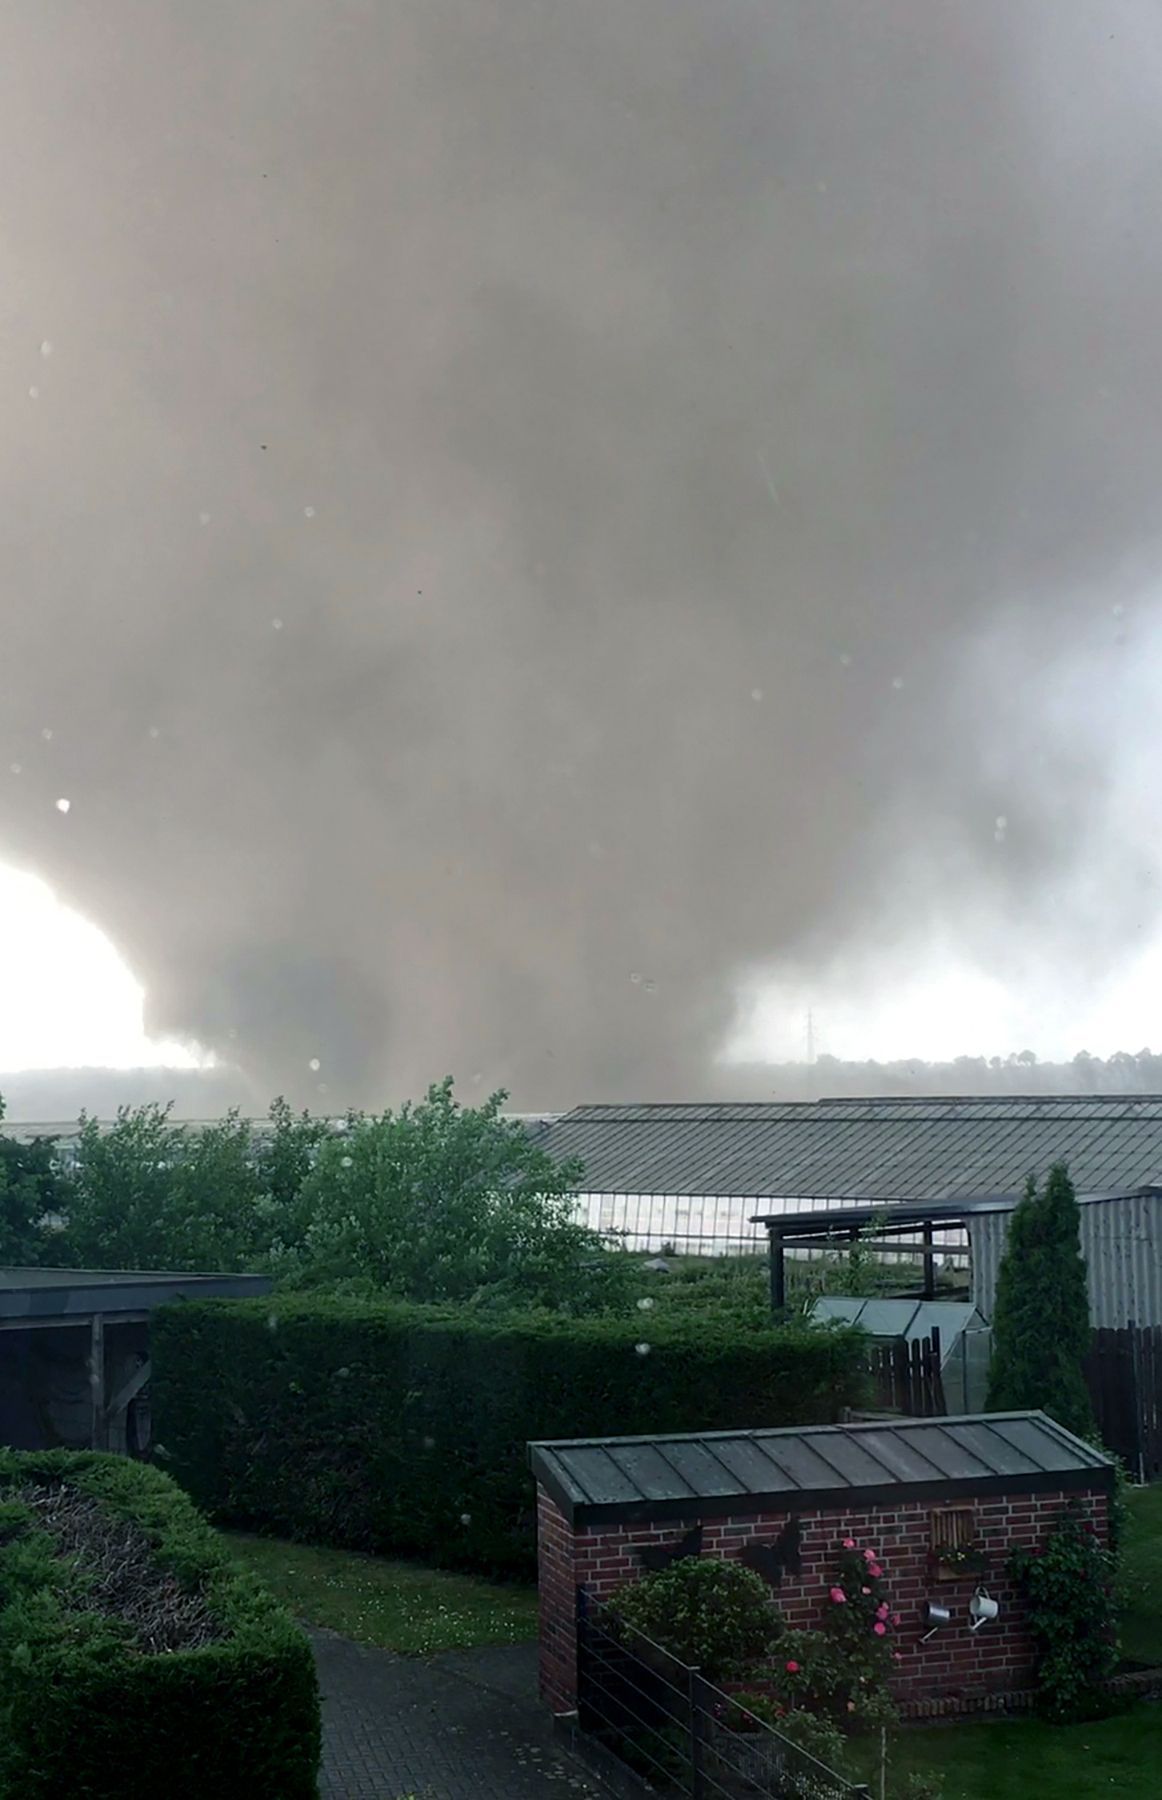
[
  {"x": 1041, "y": 1329},
  {"x": 32, "y": 1192}
]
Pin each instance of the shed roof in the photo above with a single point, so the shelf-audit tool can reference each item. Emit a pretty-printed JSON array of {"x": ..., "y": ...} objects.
[
  {"x": 900, "y": 1217},
  {"x": 703, "y": 1474},
  {"x": 43, "y": 1295},
  {"x": 899, "y": 1318},
  {"x": 926, "y": 1148}
]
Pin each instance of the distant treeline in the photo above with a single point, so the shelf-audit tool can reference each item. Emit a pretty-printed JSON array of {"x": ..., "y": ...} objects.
[{"x": 1124, "y": 1072}]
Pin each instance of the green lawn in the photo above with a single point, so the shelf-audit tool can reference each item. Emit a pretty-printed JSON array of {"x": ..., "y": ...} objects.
[
  {"x": 1142, "y": 1580},
  {"x": 395, "y": 1605},
  {"x": 1024, "y": 1759}
]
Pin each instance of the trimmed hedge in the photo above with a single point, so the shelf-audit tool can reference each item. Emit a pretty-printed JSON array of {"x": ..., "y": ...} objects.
[
  {"x": 85, "y": 1713},
  {"x": 403, "y": 1429}
]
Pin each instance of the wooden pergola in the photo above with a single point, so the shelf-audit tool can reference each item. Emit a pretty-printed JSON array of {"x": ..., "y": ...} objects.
[
  {"x": 836, "y": 1227},
  {"x": 99, "y": 1302}
]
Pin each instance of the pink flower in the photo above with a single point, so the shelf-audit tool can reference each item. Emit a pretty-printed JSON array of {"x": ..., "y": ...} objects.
[
  {"x": 896, "y": 1619},
  {"x": 851, "y": 1706},
  {"x": 838, "y": 1596},
  {"x": 882, "y": 1610},
  {"x": 792, "y": 1668},
  {"x": 897, "y": 1656},
  {"x": 874, "y": 1571},
  {"x": 849, "y": 1543},
  {"x": 879, "y": 1628},
  {"x": 869, "y": 1556},
  {"x": 865, "y": 1590}
]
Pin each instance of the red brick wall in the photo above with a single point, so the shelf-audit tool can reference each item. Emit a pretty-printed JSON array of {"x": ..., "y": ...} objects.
[{"x": 956, "y": 1667}]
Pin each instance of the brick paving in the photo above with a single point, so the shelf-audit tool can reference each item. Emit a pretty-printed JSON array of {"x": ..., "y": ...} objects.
[{"x": 465, "y": 1726}]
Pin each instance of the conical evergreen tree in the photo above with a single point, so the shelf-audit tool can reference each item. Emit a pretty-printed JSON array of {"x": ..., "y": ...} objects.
[{"x": 1041, "y": 1329}]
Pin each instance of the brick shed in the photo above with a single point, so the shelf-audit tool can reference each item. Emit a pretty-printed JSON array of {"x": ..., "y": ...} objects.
[{"x": 909, "y": 1488}]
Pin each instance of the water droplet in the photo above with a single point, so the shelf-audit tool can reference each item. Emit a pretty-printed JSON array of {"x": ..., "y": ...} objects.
[
  {"x": 429, "y": 1443},
  {"x": 645, "y": 1303},
  {"x": 346, "y": 1162},
  {"x": 272, "y": 1321},
  {"x": 845, "y": 659},
  {"x": 17, "y": 768},
  {"x": 46, "y": 349},
  {"x": 635, "y": 978},
  {"x": 314, "y": 1065},
  {"x": 276, "y": 624},
  {"x": 756, "y": 693},
  {"x": 1001, "y": 822},
  {"x": 34, "y": 393},
  {"x": 46, "y": 734},
  {"x": 642, "y": 1349},
  {"x": 308, "y": 512},
  {"x": 342, "y": 1372},
  {"x": 897, "y": 682},
  {"x": 465, "y": 1518},
  {"x": 63, "y": 806},
  {"x": 651, "y": 987},
  {"x": 1117, "y": 609},
  {"x": 203, "y": 518},
  {"x": 154, "y": 732}
]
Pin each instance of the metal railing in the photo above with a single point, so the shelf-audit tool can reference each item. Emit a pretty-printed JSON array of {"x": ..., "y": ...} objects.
[{"x": 666, "y": 1722}]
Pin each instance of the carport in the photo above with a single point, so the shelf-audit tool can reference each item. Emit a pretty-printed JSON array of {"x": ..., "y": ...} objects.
[{"x": 74, "y": 1351}]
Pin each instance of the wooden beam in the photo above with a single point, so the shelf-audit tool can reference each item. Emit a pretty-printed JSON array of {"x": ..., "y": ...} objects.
[
  {"x": 97, "y": 1381},
  {"x": 128, "y": 1391}
]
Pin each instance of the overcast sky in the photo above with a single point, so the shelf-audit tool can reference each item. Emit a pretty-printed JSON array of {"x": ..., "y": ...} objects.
[{"x": 529, "y": 525}]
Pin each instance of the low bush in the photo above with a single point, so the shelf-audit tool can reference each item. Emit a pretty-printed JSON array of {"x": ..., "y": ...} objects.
[
  {"x": 399, "y": 1428},
  {"x": 713, "y": 1615},
  {"x": 1069, "y": 1585},
  {"x": 135, "y": 1657}
]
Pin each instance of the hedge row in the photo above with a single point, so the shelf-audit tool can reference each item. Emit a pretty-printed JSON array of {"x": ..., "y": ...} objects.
[
  {"x": 404, "y": 1429},
  {"x": 86, "y": 1712}
]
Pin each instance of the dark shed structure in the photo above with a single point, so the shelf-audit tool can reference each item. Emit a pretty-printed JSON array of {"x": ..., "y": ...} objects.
[{"x": 74, "y": 1351}]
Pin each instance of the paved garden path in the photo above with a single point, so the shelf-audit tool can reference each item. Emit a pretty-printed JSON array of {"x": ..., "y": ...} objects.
[{"x": 463, "y": 1726}]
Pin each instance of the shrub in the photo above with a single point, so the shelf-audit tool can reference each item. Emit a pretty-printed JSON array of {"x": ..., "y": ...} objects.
[
  {"x": 1069, "y": 1587},
  {"x": 389, "y": 1427},
  {"x": 713, "y": 1615},
  {"x": 86, "y": 1706}
]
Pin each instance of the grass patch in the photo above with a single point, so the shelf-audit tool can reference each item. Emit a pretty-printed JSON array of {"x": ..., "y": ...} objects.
[
  {"x": 1141, "y": 1617},
  {"x": 1010, "y": 1759},
  {"x": 395, "y": 1605}
]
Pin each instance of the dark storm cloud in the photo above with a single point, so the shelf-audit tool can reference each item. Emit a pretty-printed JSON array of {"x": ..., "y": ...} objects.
[{"x": 517, "y": 492}]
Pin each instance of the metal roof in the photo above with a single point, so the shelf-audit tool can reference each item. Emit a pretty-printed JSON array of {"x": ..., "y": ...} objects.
[
  {"x": 707, "y": 1474},
  {"x": 863, "y": 1149},
  {"x": 64, "y": 1294},
  {"x": 905, "y": 1215}
]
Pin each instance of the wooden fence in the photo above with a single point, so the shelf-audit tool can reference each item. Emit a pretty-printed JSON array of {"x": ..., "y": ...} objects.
[
  {"x": 1124, "y": 1373},
  {"x": 905, "y": 1375}
]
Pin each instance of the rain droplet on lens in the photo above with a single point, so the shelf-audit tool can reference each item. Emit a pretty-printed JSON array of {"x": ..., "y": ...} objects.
[
  {"x": 429, "y": 1443},
  {"x": 154, "y": 732},
  {"x": 645, "y": 1303},
  {"x": 203, "y": 518},
  {"x": 308, "y": 512},
  {"x": 897, "y": 681},
  {"x": 276, "y": 624},
  {"x": 1001, "y": 822},
  {"x": 346, "y": 1162},
  {"x": 845, "y": 659},
  {"x": 650, "y": 986},
  {"x": 465, "y": 1518},
  {"x": 46, "y": 734},
  {"x": 635, "y": 977},
  {"x": 17, "y": 768},
  {"x": 642, "y": 1349},
  {"x": 34, "y": 393},
  {"x": 314, "y": 1065},
  {"x": 63, "y": 806},
  {"x": 46, "y": 349},
  {"x": 756, "y": 693}
]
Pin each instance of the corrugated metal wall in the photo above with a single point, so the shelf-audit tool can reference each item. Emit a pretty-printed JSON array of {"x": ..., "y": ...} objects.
[{"x": 1122, "y": 1244}]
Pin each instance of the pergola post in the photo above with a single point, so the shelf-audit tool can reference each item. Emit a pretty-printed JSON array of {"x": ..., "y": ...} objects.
[
  {"x": 929, "y": 1262},
  {"x": 778, "y": 1269},
  {"x": 97, "y": 1381}
]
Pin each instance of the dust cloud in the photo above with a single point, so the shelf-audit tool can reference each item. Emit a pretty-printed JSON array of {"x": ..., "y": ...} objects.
[{"x": 519, "y": 515}]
